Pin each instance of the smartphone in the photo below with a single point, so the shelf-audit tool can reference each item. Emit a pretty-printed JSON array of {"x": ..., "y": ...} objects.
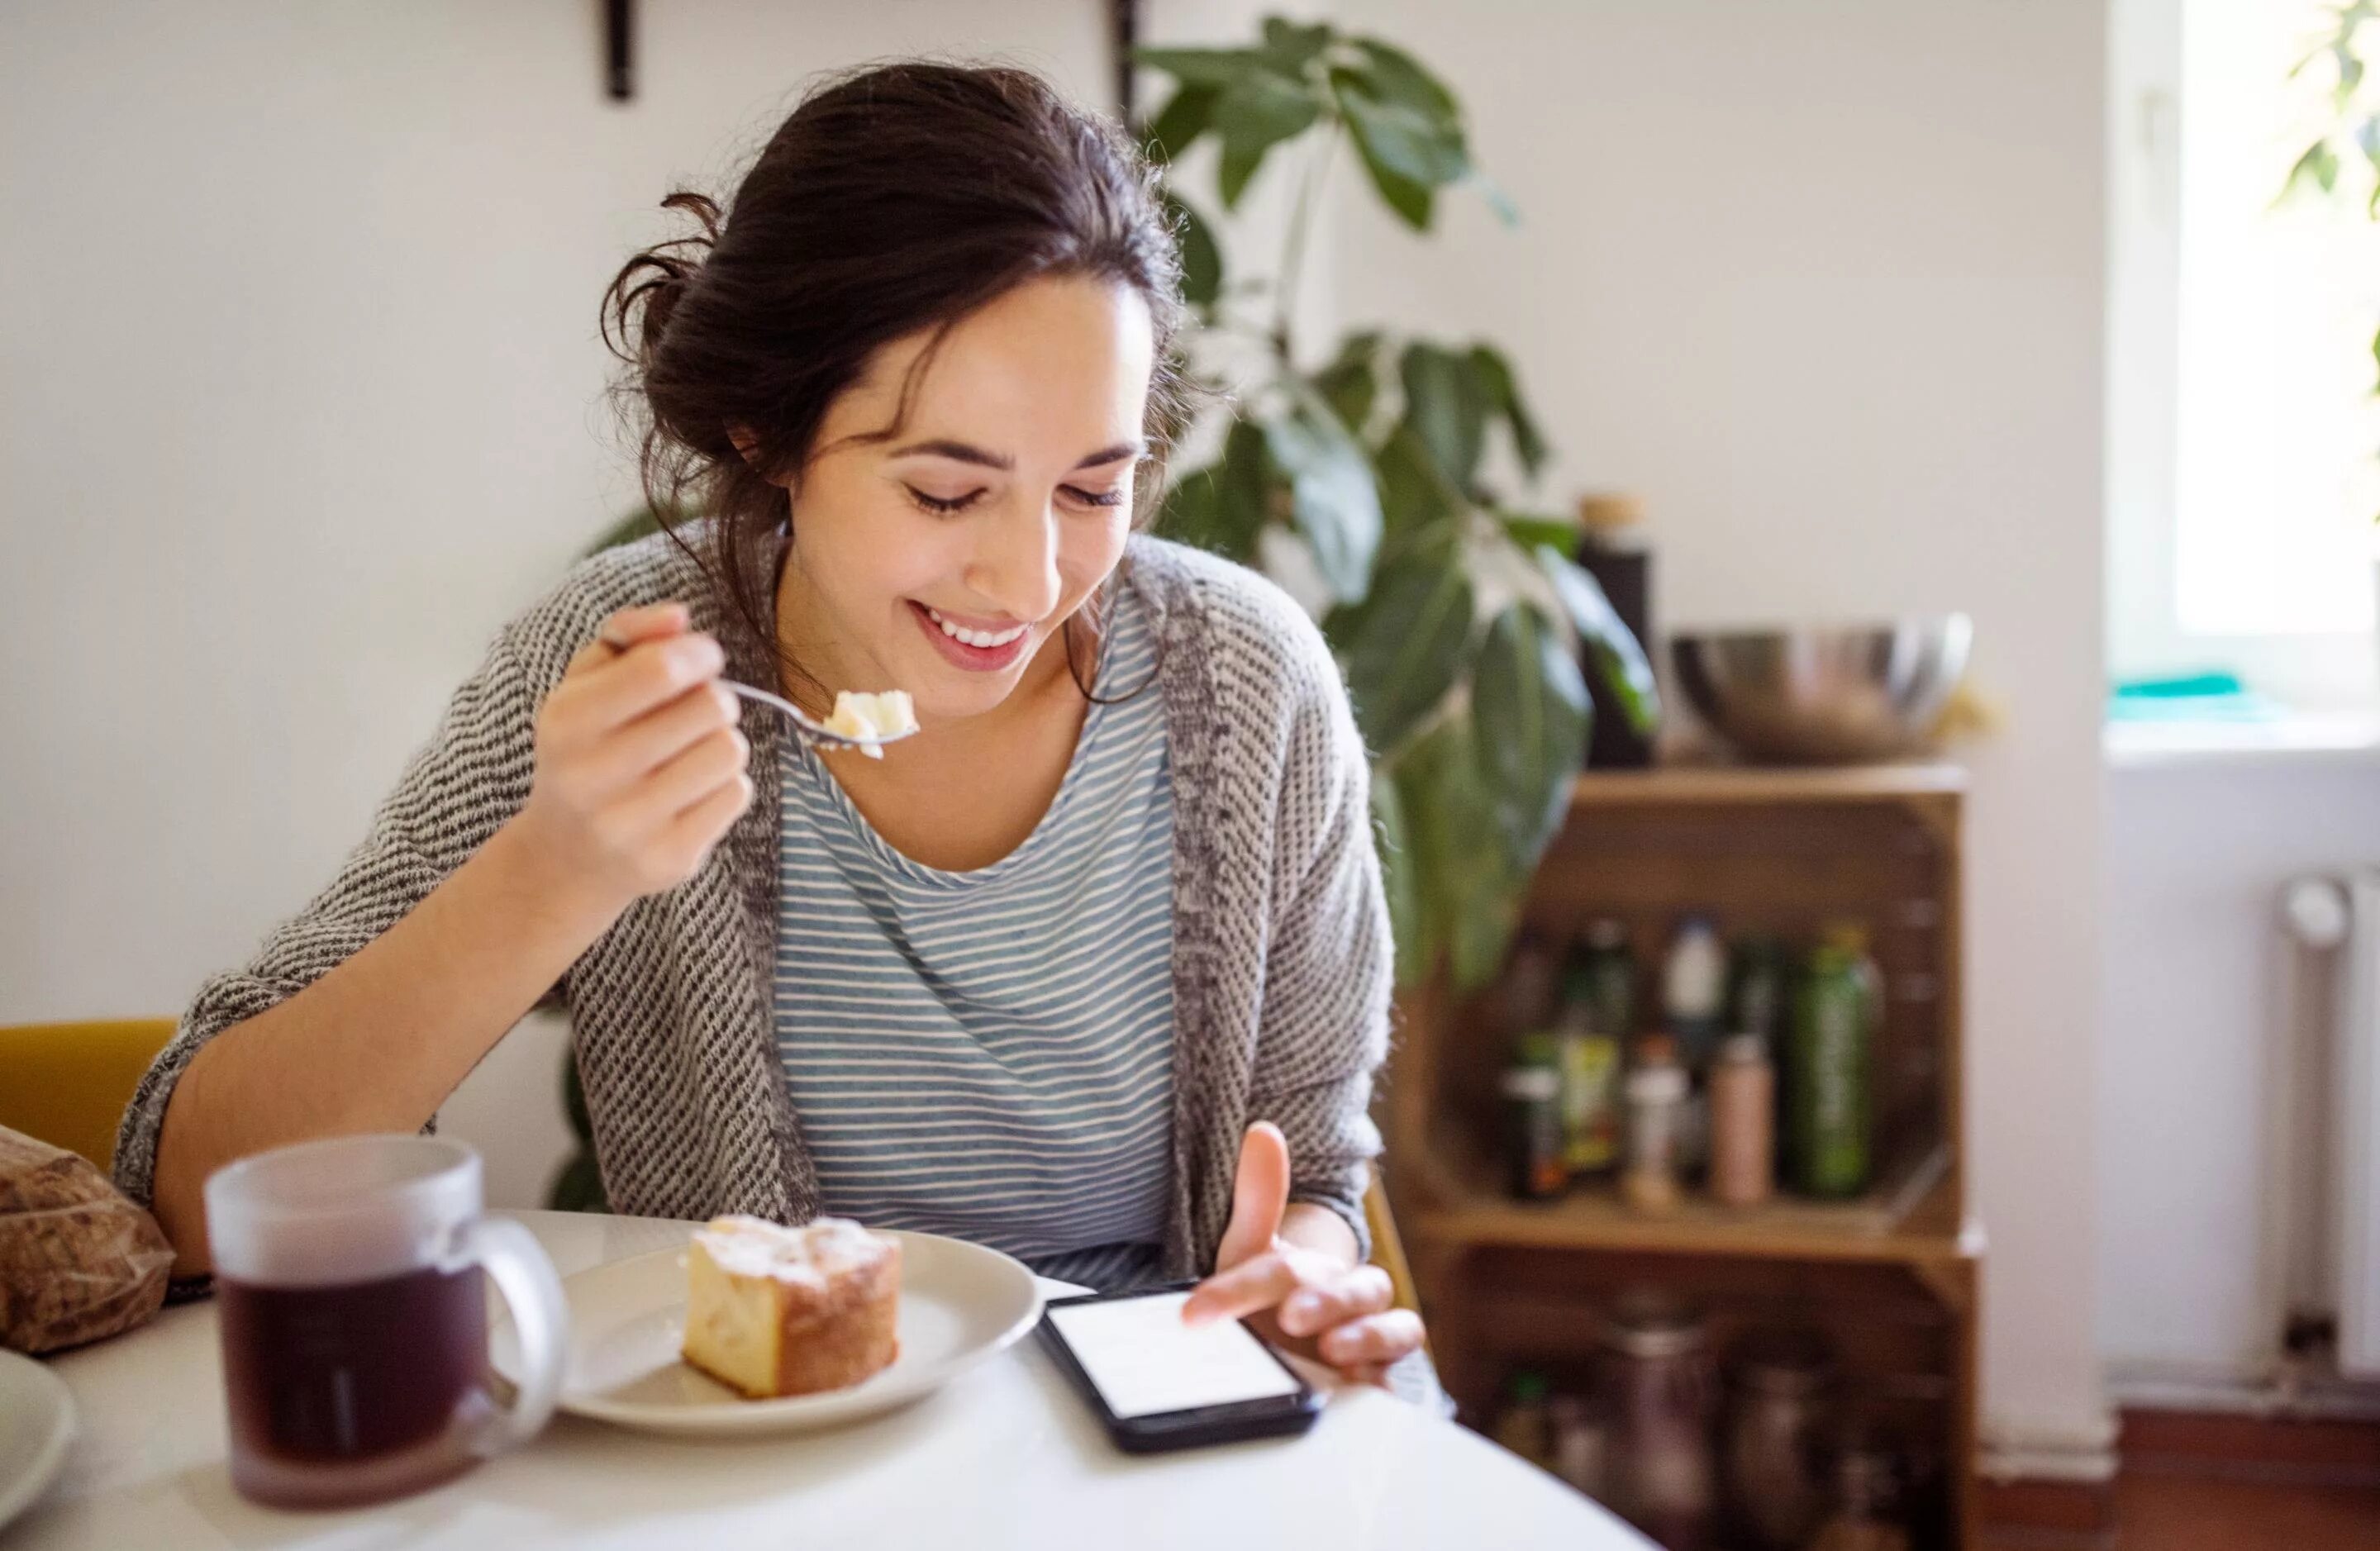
[{"x": 1158, "y": 1385}]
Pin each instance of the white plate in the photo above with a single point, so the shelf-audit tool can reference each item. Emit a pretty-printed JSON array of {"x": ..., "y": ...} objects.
[
  {"x": 960, "y": 1304},
  {"x": 37, "y": 1424}
]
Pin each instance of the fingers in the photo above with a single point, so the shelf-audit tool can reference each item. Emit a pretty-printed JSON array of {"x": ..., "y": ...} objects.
[
  {"x": 1259, "y": 1196},
  {"x": 1248, "y": 1288},
  {"x": 1364, "y": 1290},
  {"x": 658, "y": 736},
  {"x": 627, "y": 628},
  {"x": 689, "y": 778},
  {"x": 1374, "y": 1341},
  {"x": 650, "y": 623},
  {"x": 698, "y": 828},
  {"x": 642, "y": 679}
]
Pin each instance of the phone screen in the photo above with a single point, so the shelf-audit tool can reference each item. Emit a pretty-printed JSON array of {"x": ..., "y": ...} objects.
[{"x": 1145, "y": 1362}]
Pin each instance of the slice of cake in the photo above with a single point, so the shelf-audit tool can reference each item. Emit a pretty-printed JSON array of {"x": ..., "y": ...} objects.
[
  {"x": 777, "y": 1311},
  {"x": 868, "y": 718}
]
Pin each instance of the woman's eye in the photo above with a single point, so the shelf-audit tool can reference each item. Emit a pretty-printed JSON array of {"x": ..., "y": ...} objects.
[
  {"x": 940, "y": 505},
  {"x": 1096, "y": 497}
]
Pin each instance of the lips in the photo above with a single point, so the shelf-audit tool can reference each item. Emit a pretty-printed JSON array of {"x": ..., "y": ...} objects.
[{"x": 959, "y": 643}]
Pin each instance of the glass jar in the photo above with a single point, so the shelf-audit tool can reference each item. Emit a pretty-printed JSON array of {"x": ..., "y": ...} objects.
[
  {"x": 1775, "y": 1446},
  {"x": 1655, "y": 1393}
]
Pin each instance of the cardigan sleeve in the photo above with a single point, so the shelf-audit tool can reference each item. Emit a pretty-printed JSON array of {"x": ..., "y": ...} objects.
[
  {"x": 458, "y": 789},
  {"x": 1323, "y": 1024}
]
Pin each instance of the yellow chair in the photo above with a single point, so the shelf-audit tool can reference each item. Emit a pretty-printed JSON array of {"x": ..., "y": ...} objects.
[
  {"x": 68, "y": 1083},
  {"x": 1388, "y": 1249}
]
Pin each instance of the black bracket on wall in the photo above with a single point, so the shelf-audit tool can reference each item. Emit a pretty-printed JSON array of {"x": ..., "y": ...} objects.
[
  {"x": 619, "y": 39},
  {"x": 1124, "y": 34}
]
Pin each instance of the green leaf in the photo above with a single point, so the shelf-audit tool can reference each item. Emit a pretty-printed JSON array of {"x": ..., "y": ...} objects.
[
  {"x": 1415, "y": 146},
  {"x": 1413, "y": 493},
  {"x": 1400, "y": 877},
  {"x": 1617, "y": 656},
  {"x": 1288, "y": 48},
  {"x": 2367, "y": 138},
  {"x": 1529, "y": 719},
  {"x": 1350, "y": 384},
  {"x": 2351, "y": 74},
  {"x": 2318, "y": 166},
  {"x": 1207, "y": 66},
  {"x": 1386, "y": 144},
  {"x": 1202, "y": 257},
  {"x": 1336, "y": 504},
  {"x": 1559, "y": 534},
  {"x": 1447, "y": 402},
  {"x": 1221, "y": 508},
  {"x": 1393, "y": 75},
  {"x": 1470, "y": 888},
  {"x": 1495, "y": 374},
  {"x": 1254, "y": 114},
  {"x": 1405, "y": 644},
  {"x": 637, "y": 525},
  {"x": 1188, "y": 113}
]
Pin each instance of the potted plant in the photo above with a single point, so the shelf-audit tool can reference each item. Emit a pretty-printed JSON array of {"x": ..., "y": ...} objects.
[{"x": 1458, "y": 614}]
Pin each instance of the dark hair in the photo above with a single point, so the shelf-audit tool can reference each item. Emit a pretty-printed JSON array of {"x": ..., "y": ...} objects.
[{"x": 896, "y": 197}]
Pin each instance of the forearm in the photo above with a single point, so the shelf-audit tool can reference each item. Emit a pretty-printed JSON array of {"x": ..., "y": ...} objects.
[{"x": 378, "y": 1043}]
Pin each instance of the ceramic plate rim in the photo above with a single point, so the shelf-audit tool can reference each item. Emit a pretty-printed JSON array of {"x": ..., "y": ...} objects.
[
  {"x": 792, "y": 1412},
  {"x": 50, "y": 1456}
]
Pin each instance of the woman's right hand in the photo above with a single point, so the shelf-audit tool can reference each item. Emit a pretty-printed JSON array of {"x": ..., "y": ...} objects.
[{"x": 641, "y": 767}]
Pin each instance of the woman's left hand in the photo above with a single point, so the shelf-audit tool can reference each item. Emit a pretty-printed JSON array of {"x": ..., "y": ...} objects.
[{"x": 1308, "y": 1297}]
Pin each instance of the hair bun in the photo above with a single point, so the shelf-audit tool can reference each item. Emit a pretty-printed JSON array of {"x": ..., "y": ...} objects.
[{"x": 638, "y": 304}]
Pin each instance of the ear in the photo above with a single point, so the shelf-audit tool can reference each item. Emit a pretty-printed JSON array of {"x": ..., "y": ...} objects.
[{"x": 749, "y": 446}]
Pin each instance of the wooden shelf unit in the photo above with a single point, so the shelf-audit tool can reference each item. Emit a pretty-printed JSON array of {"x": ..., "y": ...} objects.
[{"x": 1892, "y": 1278}]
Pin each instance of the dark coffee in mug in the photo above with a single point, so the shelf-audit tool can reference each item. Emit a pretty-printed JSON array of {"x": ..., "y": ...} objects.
[
  {"x": 357, "y": 1369},
  {"x": 350, "y": 1281}
]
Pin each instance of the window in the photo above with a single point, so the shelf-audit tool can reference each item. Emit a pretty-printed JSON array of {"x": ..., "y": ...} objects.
[{"x": 2245, "y": 442}]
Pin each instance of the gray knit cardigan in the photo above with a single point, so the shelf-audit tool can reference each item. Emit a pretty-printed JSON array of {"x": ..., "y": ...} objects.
[{"x": 1280, "y": 952}]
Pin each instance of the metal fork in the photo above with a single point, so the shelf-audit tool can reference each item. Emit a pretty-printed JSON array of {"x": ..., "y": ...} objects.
[{"x": 811, "y": 731}]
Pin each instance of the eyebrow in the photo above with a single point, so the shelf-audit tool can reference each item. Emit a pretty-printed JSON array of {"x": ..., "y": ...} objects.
[{"x": 962, "y": 452}]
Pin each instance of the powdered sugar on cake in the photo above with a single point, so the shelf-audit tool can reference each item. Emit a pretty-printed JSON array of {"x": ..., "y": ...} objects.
[{"x": 828, "y": 1247}]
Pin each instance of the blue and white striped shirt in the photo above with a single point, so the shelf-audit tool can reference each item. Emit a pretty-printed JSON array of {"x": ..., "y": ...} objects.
[{"x": 988, "y": 1054}]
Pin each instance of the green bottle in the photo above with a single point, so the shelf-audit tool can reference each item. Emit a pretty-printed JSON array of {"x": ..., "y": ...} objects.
[{"x": 1833, "y": 1039}]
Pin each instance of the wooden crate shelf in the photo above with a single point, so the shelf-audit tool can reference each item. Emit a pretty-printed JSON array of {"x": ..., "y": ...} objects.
[
  {"x": 1916, "y": 1218},
  {"x": 1892, "y": 1276}
]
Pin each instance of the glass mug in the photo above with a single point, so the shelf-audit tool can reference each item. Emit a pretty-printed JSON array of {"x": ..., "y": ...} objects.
[{"x": 353, "y": 1319}]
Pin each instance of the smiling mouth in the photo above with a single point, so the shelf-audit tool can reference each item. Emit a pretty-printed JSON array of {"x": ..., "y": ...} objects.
[
  {"x": 964, "y": 646},
  {"x": 982, "y": 640}
]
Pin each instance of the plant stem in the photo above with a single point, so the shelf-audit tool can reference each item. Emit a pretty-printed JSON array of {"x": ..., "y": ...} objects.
[{"x": 1293, "y": 256}]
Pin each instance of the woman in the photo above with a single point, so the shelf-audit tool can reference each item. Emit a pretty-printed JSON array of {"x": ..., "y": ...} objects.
[{"x": 1093, "y": 968}]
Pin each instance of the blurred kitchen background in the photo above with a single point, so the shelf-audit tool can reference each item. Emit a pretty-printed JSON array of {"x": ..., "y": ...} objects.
[{"x": 1869, "y": 310}]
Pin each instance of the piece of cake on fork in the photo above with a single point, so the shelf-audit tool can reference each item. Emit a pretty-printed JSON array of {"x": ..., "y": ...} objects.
[{"x": 775, "y": 1311}]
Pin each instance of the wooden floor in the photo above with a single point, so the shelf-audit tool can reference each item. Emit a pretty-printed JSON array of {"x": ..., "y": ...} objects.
[{"x": 2205, "y": 1483}]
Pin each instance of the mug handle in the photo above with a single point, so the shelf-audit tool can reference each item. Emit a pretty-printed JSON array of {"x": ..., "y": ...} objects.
[{"x": 510, "y": 1253}]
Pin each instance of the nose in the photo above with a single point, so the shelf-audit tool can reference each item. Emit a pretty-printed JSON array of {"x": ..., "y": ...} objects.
[{"x": 1015, "y": 560}]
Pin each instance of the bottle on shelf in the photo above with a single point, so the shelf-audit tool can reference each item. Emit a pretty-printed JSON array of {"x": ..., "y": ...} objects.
[
  {"x": 1532, "y": 1084},
  {"x": 1525, "y": 1425},
  {"x": 1590, "y": 1061},
  {"x": 1693, "y": 989},
  {"x": 1612, "y": 552},
  {"x": 1656, "y": 1089},
  {"x": 1832, "y": 1048},
  {"x": 1743, "y": 1122}
]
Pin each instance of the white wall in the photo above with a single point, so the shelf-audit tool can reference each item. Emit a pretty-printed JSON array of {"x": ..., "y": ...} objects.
[
  {"x": 1823, "y": 282},
  {"x": 2198, "y": 850},
  {"x": 300, "y": 396}
]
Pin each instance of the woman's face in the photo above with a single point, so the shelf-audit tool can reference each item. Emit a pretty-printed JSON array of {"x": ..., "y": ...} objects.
[{"x": 944, "y": 560}]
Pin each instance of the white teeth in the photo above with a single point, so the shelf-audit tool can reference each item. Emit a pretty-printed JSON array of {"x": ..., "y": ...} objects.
[{"x": 982, "y": 639}]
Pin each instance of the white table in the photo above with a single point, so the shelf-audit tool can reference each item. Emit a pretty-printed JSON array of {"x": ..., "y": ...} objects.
[{"x": 1005, "y": 1456}]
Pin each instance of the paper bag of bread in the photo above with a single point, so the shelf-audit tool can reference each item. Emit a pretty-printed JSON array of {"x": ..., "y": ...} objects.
[{"x": 78, "y": 1261}]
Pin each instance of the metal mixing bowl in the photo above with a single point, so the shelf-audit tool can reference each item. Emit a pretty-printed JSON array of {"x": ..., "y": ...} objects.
[{"x": 1825, "y": 695}]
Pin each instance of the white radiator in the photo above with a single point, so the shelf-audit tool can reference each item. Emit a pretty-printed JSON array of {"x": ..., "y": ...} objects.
[
  {"x": 2326, "y": 1232},
  {"x": 2356, "y": 1216}
]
